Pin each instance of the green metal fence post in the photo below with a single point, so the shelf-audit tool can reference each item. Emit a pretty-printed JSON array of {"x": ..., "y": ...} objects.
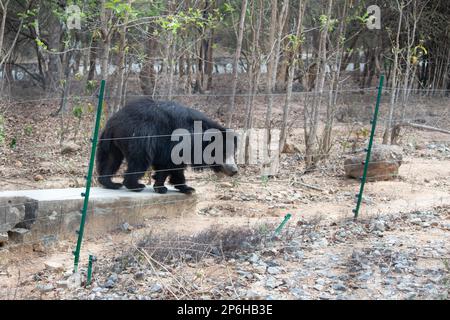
[
  {"x": 89, "y": 176},
  {"x": 369, "y": 148}
]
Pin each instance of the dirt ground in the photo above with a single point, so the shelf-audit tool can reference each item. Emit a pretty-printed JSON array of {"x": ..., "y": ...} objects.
[{"x": 398, "y": 250}]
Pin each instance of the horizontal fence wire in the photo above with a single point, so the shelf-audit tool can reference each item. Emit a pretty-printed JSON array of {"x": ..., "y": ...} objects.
[{"x": 319, "y": 168}]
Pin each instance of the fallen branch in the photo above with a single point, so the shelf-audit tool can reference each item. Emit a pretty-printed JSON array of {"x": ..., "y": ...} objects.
[{"x": 421, "y": 126}]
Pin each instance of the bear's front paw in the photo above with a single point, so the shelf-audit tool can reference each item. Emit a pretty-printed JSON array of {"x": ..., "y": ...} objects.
[
  {"x": 185, "y": 189},
  {"x": 160, "y": 189}
]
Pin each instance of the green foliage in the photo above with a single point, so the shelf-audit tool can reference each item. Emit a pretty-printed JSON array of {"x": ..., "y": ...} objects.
[
  {"x": 265, "y": 181},
  {"x": 28, "y": 130},
  {"x": 13, "y": 143},
  {"x": 121, "y": 8},
  {"x": 324, "y": 19},
  {"x": 192, "y": 18},
  {"x": 91, "y": 85},
  {"x": 77, "y": 111},
  {"x": 41, "y": 44}
]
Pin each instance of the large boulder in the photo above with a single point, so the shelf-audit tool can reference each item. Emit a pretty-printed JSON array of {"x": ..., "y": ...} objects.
[{"x": 384, "y": 163}]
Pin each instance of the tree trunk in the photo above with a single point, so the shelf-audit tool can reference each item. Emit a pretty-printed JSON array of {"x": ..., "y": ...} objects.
[
  {"x": 237, "y": 56},
  {"x": 295, "y": 55},
  {"x": 388, "y": 125}
]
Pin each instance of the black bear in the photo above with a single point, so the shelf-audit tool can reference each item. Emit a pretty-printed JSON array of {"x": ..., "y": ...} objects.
[{"x": 144, "y": 134}]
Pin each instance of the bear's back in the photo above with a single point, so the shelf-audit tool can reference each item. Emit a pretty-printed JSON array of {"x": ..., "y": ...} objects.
[{"x": 168, "y": 114}]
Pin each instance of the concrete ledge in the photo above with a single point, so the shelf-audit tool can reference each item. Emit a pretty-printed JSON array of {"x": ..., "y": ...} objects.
[{"x": 56, "y": 212}]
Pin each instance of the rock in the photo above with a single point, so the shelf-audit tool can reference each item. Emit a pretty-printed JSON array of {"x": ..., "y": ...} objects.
[
  {"x": 44, "y": 288},
  {"x": 113, "y": 277},
  {"x": 19, "y": 235},
  {"x": 38, "y": 177},
  {"x": 69, "y": 147},
  {"x": 64, "y": 284},
  {"x": 416, "y": 221},
  {"x": 54, "y": 266},
  {"x": 226, "y": 185},
  {"x": 126, "y": 227},
  {"x": 18, "y": 164},
  {"x": 380, "y": 226},
  {"x": 254, "y": 258},
  {"x": 139, "y": 275},
  {"x": 74, "y": 281},
  {"x": 339, "y": 287},
  {"x": 273, "y": 283},
  {"x": 253, "y": 295},
  {"x": 109, "y": 284},
  {"x": 156, "y": 288},
  {"x": 273, "y": 270},
  {"x": 289, "y": 148},
  {"x": 384, "y": 164}
]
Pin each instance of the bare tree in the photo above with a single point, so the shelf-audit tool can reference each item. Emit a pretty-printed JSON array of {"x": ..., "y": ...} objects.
[
  {"x": 295, "y": 52},
  {"x": 237, "y": 56},
  {"x": 311, "y": 115}
]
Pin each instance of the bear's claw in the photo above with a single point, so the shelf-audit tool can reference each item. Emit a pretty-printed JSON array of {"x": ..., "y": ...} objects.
[
  {"x": 161, "y": 189},
  {"x": 185, "y": 189}
]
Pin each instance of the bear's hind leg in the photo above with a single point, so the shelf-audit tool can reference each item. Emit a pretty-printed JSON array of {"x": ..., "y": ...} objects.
[
  {"x": 160, "y": 177},
  {"x": 108, "y": 162},
  {"x": 178, "y": 180},
  {"x": 135, "y": 171}
]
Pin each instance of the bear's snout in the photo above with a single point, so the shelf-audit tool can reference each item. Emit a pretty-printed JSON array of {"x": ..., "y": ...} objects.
[{"x": 230, "y": 170}]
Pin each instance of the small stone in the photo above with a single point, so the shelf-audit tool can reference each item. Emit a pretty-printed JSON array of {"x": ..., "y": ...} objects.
[
  {"x": 274, "y": 270},
  {"x": 254, "y": 258},
  {"x": 113, "y": 277},
  {"x": 416, "y": 221},
  {"x": 226, "y": 185},
  {"x": 273, "y": 283},
  {"x": 139, "y": 275},
  {"x": 253, "y": 295},
  {"x": 53, "y": 266},
  {"x": 39, "y": 247},
  {"x": 109, "y": 284},
  {"x": 261, "y": 268},
  {"x": 38, "y": 177},
  {"x": 69, "y": 147},
  {"x": 380, "y": 226},
  {"x": 318, "y": 287},
  {"x": 126, "y": 227},
  {"x": 62, "y": 284},
  {"x": 339, "y": 287},
  {"x": 289, "y": 148},
  {"x": 74, "y": 281},
  {"x": 45, "y": 288},
  {"x": 156, "y": 288}
]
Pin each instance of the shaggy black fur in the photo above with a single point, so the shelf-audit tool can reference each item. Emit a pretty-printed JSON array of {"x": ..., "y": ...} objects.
[{"x": 143, "y": 118}]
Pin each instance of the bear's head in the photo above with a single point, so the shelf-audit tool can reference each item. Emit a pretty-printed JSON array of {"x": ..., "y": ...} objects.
[{"x": 228, "y": 164}]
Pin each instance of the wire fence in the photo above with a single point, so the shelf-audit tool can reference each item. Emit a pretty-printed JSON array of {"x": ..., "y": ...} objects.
[{"x": 393, "y": 192}]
